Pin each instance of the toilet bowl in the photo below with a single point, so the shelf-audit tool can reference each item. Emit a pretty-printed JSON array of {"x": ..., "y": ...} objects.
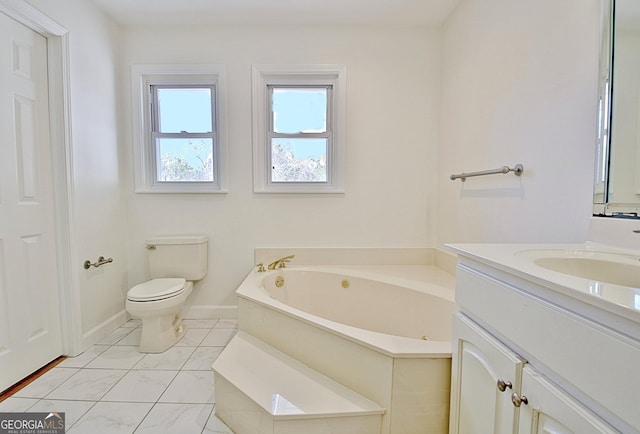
[
  {"x": 175, "y": 262},
  {"x": 158, "y": 303}
]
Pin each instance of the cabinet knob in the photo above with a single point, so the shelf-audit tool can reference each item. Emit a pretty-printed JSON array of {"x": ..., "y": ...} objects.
[
  {"x": 518, "y": 400},
  {"x": 504, "y": 385}
]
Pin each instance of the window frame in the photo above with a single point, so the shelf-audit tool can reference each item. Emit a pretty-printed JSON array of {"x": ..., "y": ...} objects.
[
  {"x": 144, "y": 77},
  {"x": 264, "y": 78}
]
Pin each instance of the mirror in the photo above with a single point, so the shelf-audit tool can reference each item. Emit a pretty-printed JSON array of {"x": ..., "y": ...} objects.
[{"x": 617, "y": 181}]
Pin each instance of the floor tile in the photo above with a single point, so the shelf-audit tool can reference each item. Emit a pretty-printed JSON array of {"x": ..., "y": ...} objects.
[
  {"x": 227, "y": 324},
  {"x": 176, "y": 418},
  {"x": 202, "y": 359},
  {"x": 113, "y": 388},
  {"x": 112, "y": 418},
  {"x": 117, "y": 357},
  {"x": 84, "y": 358},
  {"x": 115, "y": 336},
  {"x": 218, "y": 337},
  {"x": 132, "y": 323},
  {"x": 88, "y": 384},
  {"x": 192, "y": 338},
  {"x": 46, "y": 383},
  {"x": 73, "y": 410},
  {"x": 172, "y": 359},
  {"x": 132, "y": 338},
  {"x": 200, "y": 323},
  {"x": 11, "y": 404},
  {"x": 190, "y": 387},
  {"x": 216, "y": 426},
  {"x": 140, "y": 386}
]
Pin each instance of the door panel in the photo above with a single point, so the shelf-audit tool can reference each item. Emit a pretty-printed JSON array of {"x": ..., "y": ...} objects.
[
  {"x": 479, "y": 362},
  {"x": 551, "y": 411},
  {"x": 30, "y": 333}
]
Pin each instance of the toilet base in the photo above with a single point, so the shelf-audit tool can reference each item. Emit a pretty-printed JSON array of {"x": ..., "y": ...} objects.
[
  {"x": 162, "y": 324},
  {"x": 161, "y": 333}
]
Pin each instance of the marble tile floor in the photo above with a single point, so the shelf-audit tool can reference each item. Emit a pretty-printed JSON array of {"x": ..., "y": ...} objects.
[{"x": 112, "y": 388}]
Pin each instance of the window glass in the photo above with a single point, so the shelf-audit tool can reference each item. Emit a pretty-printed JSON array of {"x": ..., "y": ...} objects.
[
  {"x": 299, "y": 160},
  {"x": 184, "y": 109},
  {"x": 185, "y": 160},
  {"x": 299, "y": 109}
]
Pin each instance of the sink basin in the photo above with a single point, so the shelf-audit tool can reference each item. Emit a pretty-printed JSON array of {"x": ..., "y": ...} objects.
[{"x": 615, "y": 268}]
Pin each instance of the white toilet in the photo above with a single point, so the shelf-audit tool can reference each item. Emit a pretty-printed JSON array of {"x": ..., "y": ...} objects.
[{"x": 174, "y": 263}]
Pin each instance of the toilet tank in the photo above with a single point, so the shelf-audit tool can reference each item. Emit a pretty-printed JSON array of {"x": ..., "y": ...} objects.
[{"x": 178, "y": 256}]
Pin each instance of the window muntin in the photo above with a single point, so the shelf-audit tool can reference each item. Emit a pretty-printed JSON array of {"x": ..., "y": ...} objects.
[{"x": 183, "y": 133}]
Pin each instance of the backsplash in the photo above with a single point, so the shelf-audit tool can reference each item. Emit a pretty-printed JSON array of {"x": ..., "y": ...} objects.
[{"x": 615, "y": 232}]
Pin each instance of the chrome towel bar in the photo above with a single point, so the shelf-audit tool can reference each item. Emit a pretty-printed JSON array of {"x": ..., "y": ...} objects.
[{"x": 517, "y": 170}]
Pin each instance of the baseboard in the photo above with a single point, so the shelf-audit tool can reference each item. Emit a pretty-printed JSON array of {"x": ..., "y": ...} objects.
[
  {"x": 101, "y": 330},
  {"x": 210, "y": 312}
]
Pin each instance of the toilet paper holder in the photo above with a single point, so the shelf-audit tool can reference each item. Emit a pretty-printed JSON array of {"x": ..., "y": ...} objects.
[{"x": 101, "y": 261}]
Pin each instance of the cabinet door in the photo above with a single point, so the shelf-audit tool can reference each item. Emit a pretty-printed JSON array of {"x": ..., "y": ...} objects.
[
  {"x": 484, "y": 374},
  {"x": 548, "y": 410}
]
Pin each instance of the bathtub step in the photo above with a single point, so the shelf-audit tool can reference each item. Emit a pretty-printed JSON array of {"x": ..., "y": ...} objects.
[{"x": 258, "y": 389}]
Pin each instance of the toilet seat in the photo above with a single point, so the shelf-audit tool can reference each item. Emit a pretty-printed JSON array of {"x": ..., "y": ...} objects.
[{"x": 156, "y": 289}]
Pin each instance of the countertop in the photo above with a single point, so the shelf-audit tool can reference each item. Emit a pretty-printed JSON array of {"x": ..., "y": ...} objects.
[{"x": 516, "y": 259}]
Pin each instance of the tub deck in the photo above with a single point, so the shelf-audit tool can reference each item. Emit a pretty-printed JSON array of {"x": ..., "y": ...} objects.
[{"x": 427, "y": 279}]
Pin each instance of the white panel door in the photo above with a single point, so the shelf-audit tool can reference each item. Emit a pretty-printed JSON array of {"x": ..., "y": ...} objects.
[
  {"x": 484, "y": 374},
  {"x": 30, "y": 332}
]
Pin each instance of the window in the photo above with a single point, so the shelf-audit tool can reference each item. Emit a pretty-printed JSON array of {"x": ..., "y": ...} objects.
[
  {"x": 179, "y": 128},
  {"x": 298, "y": 131}
]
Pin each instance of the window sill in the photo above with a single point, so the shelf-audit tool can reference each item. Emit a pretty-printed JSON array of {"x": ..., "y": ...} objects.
[
  {"x": 299, "y": 188},
  {"x": 181, "y": 190}
]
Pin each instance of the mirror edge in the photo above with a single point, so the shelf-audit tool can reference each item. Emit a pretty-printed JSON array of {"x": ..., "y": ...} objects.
[{"x": 601, "y": 170}]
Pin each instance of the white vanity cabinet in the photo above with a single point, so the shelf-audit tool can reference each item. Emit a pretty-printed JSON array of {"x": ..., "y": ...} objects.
[
  {"x": 529, "y": 360},
  {"x": 498, "y": 392}
]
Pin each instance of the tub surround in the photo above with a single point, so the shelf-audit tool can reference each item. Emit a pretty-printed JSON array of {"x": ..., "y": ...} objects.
[
  {"x": 406, "y": 377},
  {"x": 559, "y": 347},
  {"x": 414, "y": 285},
  {"x": 360, "y": 256}
]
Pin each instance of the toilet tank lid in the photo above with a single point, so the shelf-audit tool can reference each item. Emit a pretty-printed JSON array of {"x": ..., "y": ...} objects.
[{"x": 177, "y": 239}]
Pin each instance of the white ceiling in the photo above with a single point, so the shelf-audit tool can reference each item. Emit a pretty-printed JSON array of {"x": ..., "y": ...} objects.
[{"x": 193, "y": 12}]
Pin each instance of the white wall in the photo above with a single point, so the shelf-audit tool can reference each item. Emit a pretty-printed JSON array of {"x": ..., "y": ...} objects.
[
  {"x": 392, "y": 113},
  {"x": 518, "y": 83},
  {"x": 98, "y": 204},
  {"x": 519, "y": 86}
]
